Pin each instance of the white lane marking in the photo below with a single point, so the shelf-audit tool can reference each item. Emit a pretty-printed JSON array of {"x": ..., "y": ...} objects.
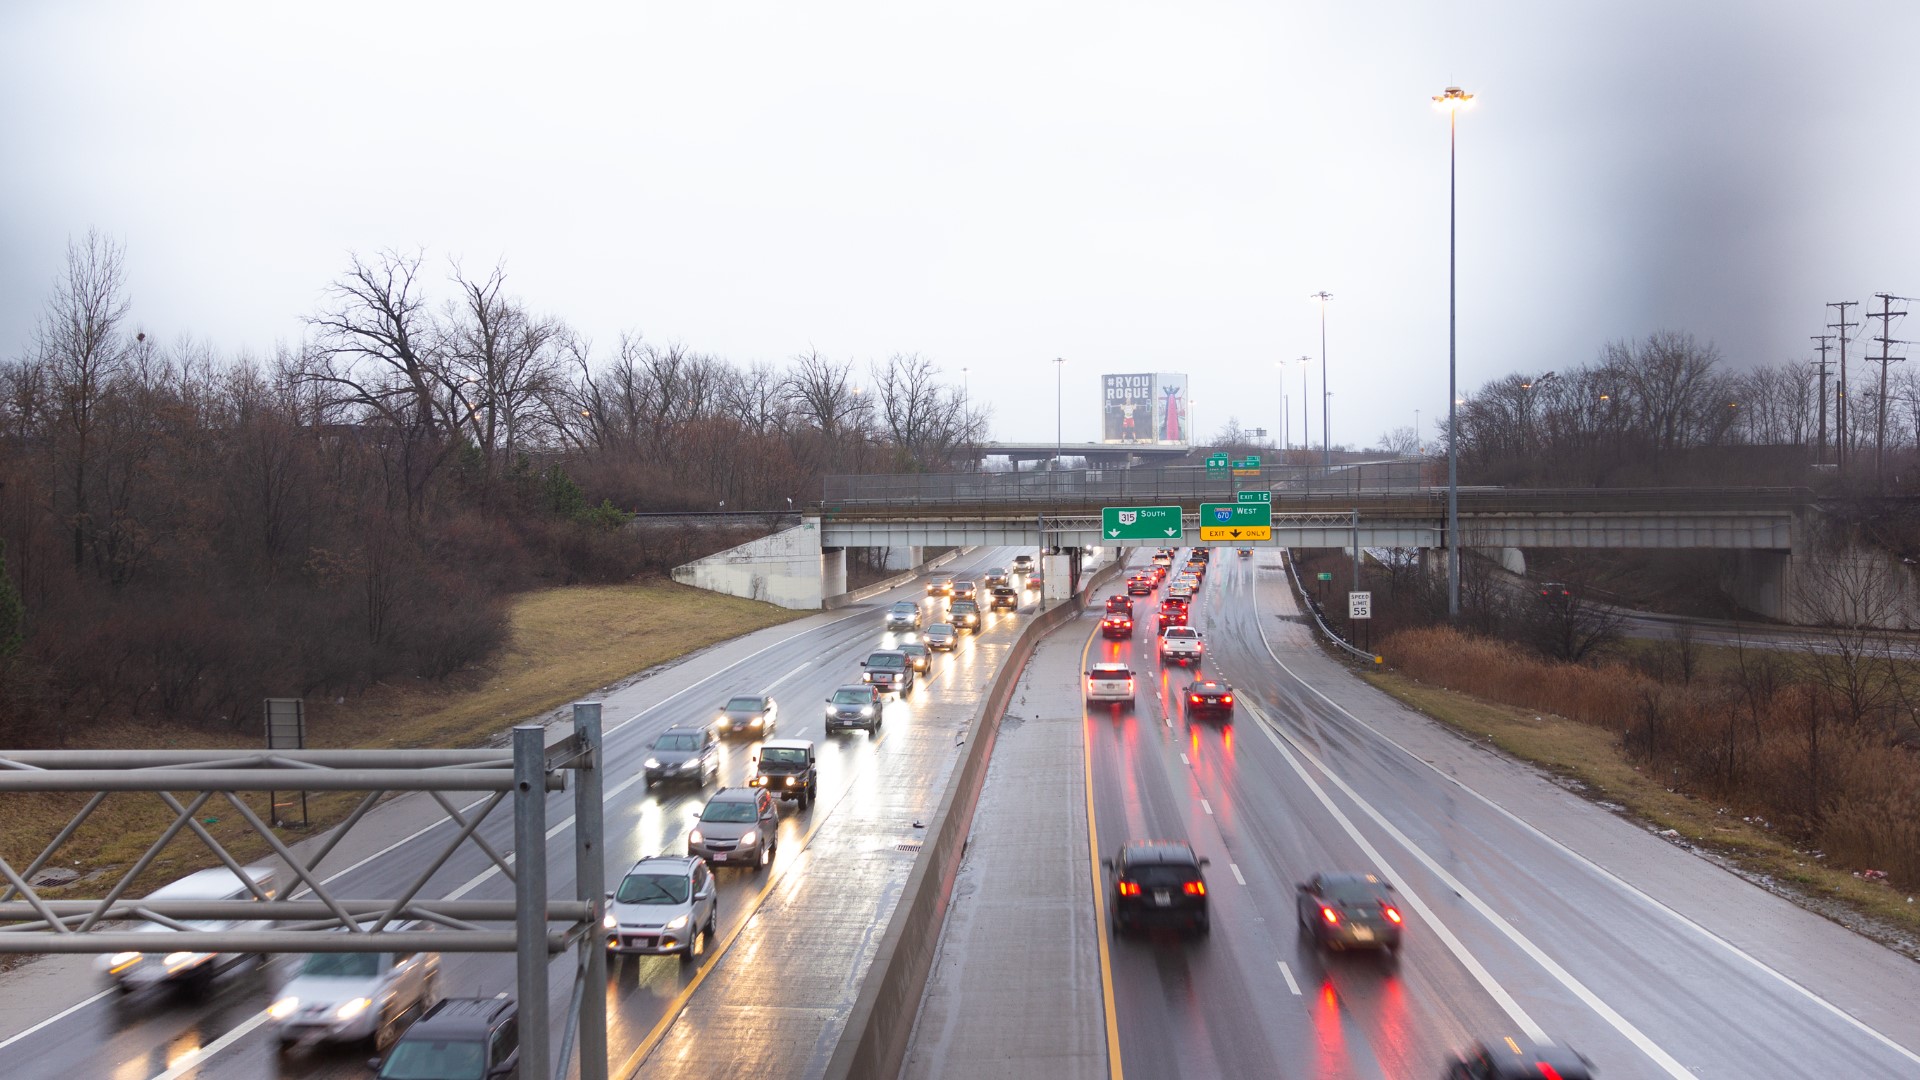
[
  {"x": 1287, "y": 974},
  {"x": 1184, "y": 761},
  {"x": 789, "y": 675},
  {"x": 55, "y": 1018},
  {"x": 192, "y": 1061},
  {"x": 1237, "y": 875},
  {"x": 1454, "y": 945},
  {"x": 1207, "y": 806},
  {"x": 1782, "y": 977}
]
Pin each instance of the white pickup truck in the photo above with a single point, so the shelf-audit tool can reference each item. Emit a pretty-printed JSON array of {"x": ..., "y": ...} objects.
[{"x": 1180, "y": 645}]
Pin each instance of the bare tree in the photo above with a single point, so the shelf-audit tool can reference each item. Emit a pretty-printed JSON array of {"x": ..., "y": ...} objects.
[
  {"x": 82, "y": 346},
  {"x": 504, "y": 365}
]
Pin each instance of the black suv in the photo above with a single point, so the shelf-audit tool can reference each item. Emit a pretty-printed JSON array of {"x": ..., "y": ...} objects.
[
  {"x": 457, "y": 1039},
  {"x": 786, "y": 768},
  {"x": 1158, "y": 883},
  {"x": 1004, "y": 596}
]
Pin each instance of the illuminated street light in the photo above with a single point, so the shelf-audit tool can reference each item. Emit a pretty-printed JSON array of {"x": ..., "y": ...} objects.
[{"x": 1452, "y": 101}]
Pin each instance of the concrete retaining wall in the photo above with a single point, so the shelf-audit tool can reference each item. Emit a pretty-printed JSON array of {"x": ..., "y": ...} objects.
[
  {"x": 880, "y": 1026},
  {"x": 894, "y": 582},
  {"x": 785, "y": 568}
]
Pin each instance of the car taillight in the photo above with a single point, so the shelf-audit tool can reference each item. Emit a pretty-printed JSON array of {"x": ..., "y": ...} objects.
[
  {"x": 1129, "y": 888},
  {"x": 1196, "y": 888},
  {"x": 1392, "y": 913},
  {"x": 1129, "y": 686},
  {"x": 1226, "y": 699},
  {"x": 1332, "y": 916},
  {"x": 1195, "y": 698}
]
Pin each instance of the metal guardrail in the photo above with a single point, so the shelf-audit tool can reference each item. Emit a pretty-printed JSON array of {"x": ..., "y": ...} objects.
[{"x": 1306, "y": 601}]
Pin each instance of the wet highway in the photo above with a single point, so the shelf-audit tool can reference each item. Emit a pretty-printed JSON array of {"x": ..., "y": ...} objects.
[
  {"x": 1529, "y": 910},
  {"x": 160, "y": 1036}
]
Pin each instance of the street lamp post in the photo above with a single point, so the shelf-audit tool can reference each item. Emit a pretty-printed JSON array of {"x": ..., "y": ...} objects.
[
  {"x": 1326, "y": 445},
  {"x": 1452, "y": 100},
  {"x": 1059, "y": 444},
  {"x": 1306, "y": 424}
]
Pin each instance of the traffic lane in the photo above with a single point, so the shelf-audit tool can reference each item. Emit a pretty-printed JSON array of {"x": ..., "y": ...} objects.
[
  {"x": 185, "y": 1028},
  {"x": 640, "y": 822},
  {"x": 779, "y": 997},
  {"x": 1363, "y": 1017},
  {"x": 1184, "y": 1006},
  {"x": 1666, "y": 980}
]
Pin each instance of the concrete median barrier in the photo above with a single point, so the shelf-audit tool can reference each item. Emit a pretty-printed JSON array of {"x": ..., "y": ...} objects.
[{"x": 874, "y": 1043}]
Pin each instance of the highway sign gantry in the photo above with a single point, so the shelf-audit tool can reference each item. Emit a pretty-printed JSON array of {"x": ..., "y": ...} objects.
[
  {"x": 1236, "y": 521},
  {"x": 1141, "y": 523}
]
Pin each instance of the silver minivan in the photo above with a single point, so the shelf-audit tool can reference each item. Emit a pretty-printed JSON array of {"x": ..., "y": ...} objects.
[{"x": 355, "y": 996}]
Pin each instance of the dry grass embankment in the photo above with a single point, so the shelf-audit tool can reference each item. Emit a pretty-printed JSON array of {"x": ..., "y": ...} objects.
[
  {"x": 563, "y": 643},
  {"x": 1726, "y": 765}
]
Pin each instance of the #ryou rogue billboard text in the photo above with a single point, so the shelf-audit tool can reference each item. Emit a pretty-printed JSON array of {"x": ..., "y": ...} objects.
[{"x": 1148, "y": 409}]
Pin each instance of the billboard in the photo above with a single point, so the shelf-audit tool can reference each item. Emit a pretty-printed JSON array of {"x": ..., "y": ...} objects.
[{"x": 1150, "y": 409}]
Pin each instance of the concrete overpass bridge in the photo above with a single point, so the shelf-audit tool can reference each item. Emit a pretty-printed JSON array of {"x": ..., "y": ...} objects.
[{"x": 1394, "y": 506}]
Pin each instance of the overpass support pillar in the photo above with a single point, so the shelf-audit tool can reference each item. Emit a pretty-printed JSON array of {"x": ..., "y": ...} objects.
[{"x": 833, "y": 571}]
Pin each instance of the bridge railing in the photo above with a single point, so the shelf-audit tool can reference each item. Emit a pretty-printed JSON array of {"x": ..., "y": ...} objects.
[{"x": 1094, "y": 488}]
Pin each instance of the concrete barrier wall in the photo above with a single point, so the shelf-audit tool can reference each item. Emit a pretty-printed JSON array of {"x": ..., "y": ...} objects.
[
  {"x": 874, "y": 1043},
  {"x": 783, "y": 569}
]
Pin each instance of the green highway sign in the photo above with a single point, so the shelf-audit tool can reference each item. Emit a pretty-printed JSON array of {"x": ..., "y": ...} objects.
[
  {"x": 1251, "y": 461},
  {"x": 1325, "y": 575},
  {"x": 1255, "y": 497},
  {"x": 1236, "y": 521},
  {"x": 1141, "y": 522},
  {"x": 1216, "y": 463}
]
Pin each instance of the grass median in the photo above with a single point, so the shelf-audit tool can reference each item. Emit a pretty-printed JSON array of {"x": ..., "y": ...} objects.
[{"x": 564, "y": 644}]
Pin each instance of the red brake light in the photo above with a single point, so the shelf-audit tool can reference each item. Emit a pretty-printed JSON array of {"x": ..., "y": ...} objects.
[
  {"x": 1195, "y": 698},
  {"x": 1332, "y": 916},
  {"x": 1393, "y": 913},
  {"x": 1226, "y": 699},
  {"x": 1129, "y": 888},
  {"x": 1196, "y": 888}
]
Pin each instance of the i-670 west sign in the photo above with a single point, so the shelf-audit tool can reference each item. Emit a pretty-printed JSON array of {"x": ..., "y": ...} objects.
[{"x": 1141, "y": 523}]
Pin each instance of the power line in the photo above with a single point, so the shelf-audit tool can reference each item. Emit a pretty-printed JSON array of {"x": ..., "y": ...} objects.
[{"x": 1885, "y": 315}]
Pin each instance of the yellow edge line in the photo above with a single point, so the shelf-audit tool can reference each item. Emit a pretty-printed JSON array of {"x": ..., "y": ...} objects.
[
  {"x": 1114, "y": 1070},
  {"x": 632, "y": 1066}
]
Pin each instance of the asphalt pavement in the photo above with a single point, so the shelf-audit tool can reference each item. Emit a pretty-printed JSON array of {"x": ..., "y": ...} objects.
[
  {"x": 839, "y": 863},
  {"x": 1530, "y": 910}
]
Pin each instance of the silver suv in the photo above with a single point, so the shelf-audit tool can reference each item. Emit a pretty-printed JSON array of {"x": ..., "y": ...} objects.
[
  {"x": 349, "y": 997},
  {"x": 904, "y": 615},
  {"x": 665, "y": 904},
  {"x": 739, "y": 827}
]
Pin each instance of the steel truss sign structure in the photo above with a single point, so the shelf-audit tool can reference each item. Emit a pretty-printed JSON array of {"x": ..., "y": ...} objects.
[{"x": 542, "y": 926}]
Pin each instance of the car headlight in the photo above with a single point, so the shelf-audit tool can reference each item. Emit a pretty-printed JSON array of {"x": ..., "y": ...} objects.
[
  {"x": 694, "y": 837},
  {"x": 653, "y": 763},
  {"x": 791, "y": 781},
  {"x": 866, "y": 710},
  {"x": 749, "y": 837},
  {"x": 677, "y": 923},
  {"x": 182, "y": 959},
  {"x": 283, "y": 1008},
  {"x": 352, "y": 1008},
  {"x": 609, "y": 922},
  {"x": 119, "y": 962},
  {"x": 755, "y": 722}
]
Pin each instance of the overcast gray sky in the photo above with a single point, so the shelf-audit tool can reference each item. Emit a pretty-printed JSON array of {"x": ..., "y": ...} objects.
[{"x": 1135, "y": 187}]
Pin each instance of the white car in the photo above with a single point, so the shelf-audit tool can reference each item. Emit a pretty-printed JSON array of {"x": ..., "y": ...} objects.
[
  {"x": 1110, "y": 682},
  {"x": 1181, "y": 645},
  {"x": 355, "y": 996},
  {"x": 135, "y": 969}
]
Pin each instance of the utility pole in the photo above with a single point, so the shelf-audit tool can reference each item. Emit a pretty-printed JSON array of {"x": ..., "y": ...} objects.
[
  {"x": 1825, "y": 367},
  {"x": 1306, "y": 421},
  {"x": 1840, "y": 448},
  {"x": 1885, "y": 315}
]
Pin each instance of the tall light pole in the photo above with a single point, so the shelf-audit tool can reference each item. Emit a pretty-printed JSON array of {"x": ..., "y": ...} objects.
[
  {"x": 1306, "y": 426},
  {"x": 1059, "y": 365},
  {"x": 1326, "y": 445},
  {"x": 1452, "y": 100},
  {"x": 1280, "y": 433}
]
